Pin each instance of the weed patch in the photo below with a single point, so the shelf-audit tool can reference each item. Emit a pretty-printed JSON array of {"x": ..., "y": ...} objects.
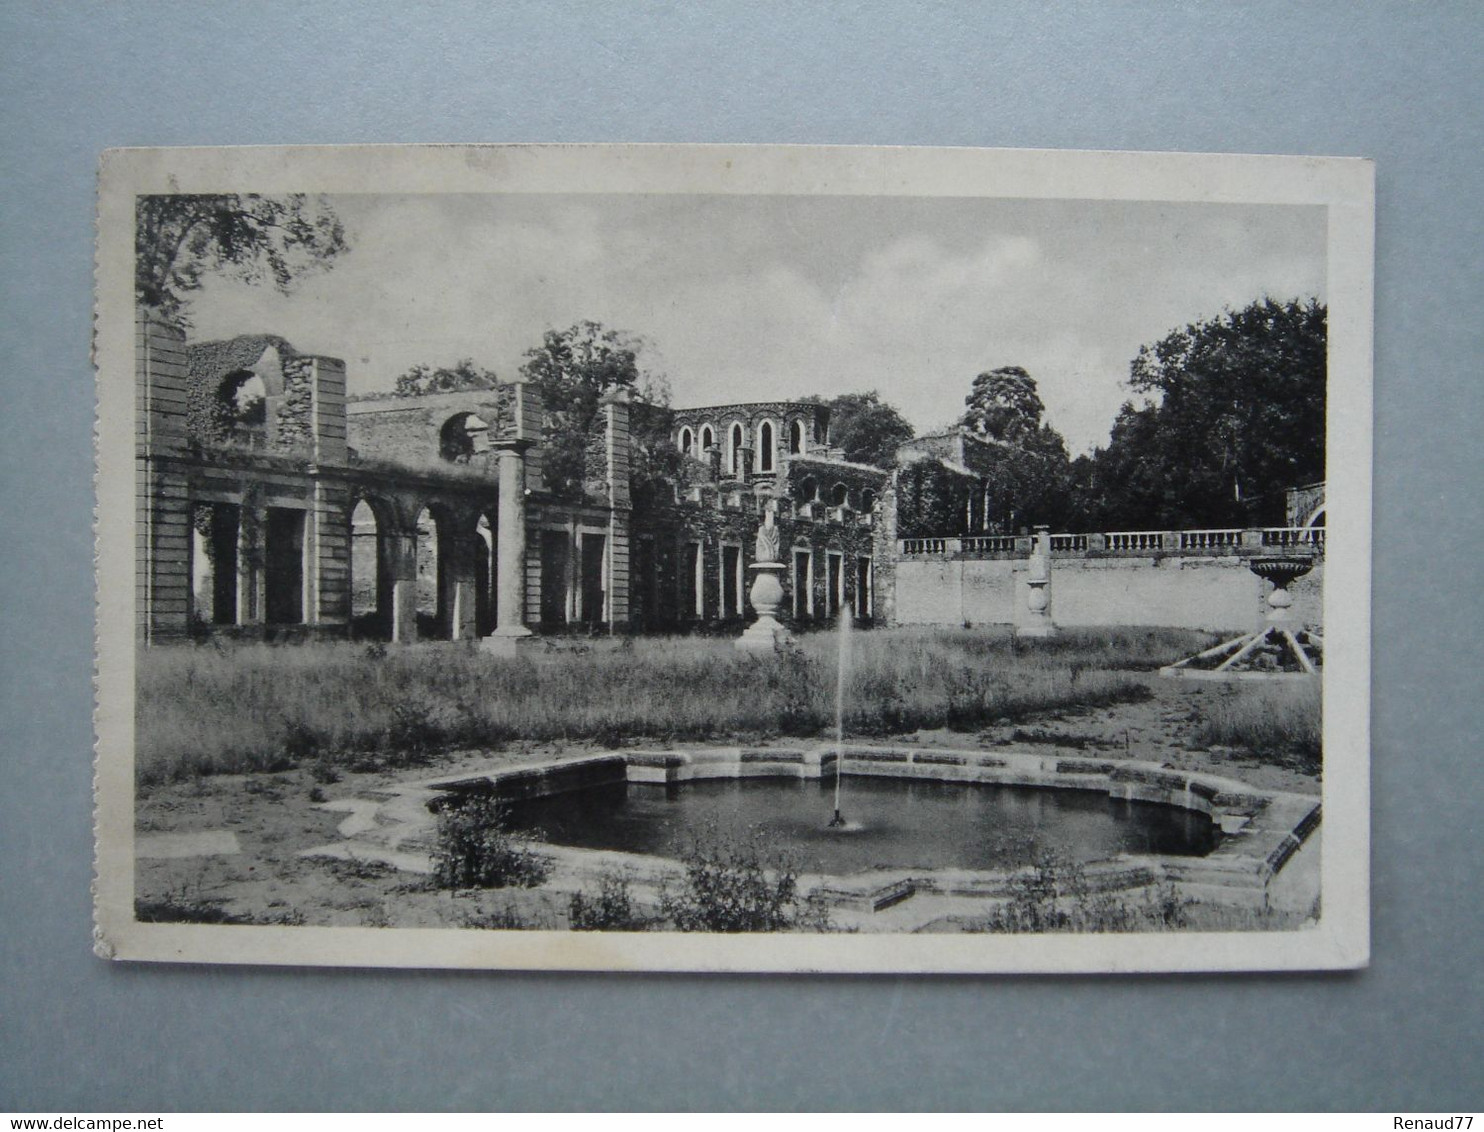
[
  {"x": 610, "y": 909},
  {"x": 735, "y": 885},
  {"x": 475, "y": 850},
  {"x": 249, "y": 707}
]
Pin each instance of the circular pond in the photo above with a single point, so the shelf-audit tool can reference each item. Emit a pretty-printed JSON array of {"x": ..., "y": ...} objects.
[{"x": 893, "y": 823}]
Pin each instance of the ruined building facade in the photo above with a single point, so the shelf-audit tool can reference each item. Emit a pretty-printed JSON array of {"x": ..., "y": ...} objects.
[{"x": 269, "y": 504}]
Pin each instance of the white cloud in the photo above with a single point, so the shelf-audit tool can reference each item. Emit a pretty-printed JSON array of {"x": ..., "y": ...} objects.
[{"x": 749, "y": 298}]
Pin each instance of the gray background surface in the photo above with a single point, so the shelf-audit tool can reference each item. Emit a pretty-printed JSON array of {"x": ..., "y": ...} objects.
[{"x": 1399, "y": 83}]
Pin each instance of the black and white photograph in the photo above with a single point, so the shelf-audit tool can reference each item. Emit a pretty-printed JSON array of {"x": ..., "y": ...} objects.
[{"x": 733, "y": 558}]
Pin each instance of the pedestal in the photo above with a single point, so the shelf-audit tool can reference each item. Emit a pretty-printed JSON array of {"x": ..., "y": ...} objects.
[
  {"x": 514, "y": 640},
  {"x": 1038, "y": 579},
  {"x": 766, "y": 633}
]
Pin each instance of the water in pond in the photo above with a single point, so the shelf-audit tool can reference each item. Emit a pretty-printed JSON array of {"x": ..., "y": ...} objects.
[{"x": 893, "y": 823}]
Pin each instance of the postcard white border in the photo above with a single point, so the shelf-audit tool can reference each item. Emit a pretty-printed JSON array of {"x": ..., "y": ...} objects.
[{"x": 1344, "y": 185}]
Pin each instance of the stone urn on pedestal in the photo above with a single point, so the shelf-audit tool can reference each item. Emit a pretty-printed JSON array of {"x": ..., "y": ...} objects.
[
  {"x": 1280, "y": 649},
  {"x": 1038, "y": 580},
  {"x": 766, "y": 594}
]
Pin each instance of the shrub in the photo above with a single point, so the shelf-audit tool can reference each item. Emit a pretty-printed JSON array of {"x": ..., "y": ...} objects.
[
  {"x": 611, "y": 909},
  {"x": 1054, "y": 895},
  {"x": 475, "y": 850},
  {"x": 736, "y": 886}
]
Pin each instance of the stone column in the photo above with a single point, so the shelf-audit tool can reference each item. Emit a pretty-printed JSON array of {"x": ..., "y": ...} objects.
[
  {"x": 162, "y": 529},
  {"x": 620, "y": 505},
  {"x": 251, "y": 592},
  {"x": 328, "y": 575},
  {"x": 510, "y": 549},
  {"x": 401, "y": 564}
]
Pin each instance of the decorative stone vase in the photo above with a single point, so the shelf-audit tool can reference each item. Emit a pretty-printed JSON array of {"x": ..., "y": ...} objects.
[
  {"x": 766, "y": 595},
  {"x": 1038, "y": 580},
  {"x": 1282, "y": 573}
]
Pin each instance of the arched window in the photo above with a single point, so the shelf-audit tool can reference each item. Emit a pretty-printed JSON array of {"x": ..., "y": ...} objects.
[
  {"x": 868, "y": 499},
  {"x": 808, "y": 490},
  {"x": 765, "y": 447},
  {"x": 735, "y": 462},
  {"x": 241, "y": 409},
  {"x": 796, "y": 438},
  {"x": 838, "y": 495},
  {"x": 708, "y": 439},
  {"x": 685, "y": 441},
  {"x": 462, "y": 435}
]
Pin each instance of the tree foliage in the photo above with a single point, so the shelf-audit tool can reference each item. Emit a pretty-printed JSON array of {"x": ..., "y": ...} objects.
[
  {"x": 179, "y": 239},
  {"x": 1232, "y": 414},
  {"x": 1003, "y": 405},
  {"x": 932, "y": 500},
  {"x": 1029, "y": 483},
  {"x": 572, "y": 369},
  {"x": 463, "y": 375},
  {"x": 865, "y": 428}
]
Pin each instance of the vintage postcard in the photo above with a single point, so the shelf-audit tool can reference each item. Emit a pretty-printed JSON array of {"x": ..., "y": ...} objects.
[{"x": 778, "y": 559}]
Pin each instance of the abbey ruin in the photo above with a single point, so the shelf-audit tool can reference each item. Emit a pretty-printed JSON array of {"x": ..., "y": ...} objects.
[{"x": 269, "y": 504}]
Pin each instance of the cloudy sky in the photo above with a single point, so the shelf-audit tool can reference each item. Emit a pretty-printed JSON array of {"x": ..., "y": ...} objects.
[{"x": 746, "y": 298}]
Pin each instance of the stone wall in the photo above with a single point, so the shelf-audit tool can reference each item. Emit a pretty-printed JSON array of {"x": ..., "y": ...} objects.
[
  {"x": 408, "y": 430},
  {"x": 1214, "y": 594}
]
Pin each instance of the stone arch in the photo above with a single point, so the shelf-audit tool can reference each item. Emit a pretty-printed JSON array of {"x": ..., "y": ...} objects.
[
  {"x": 708, "y": 438},
  {"x": 372, "y": 523},
  {"x": 808, "y": 489},
  {"x": 839, "y": 495},
  {"x": 461, "y": 436},
  {"x": 686, "y": 441},
  {"x": 435, "y": 531},
  {"x": 796, "y": 437},
  {"x": 1316, "y": 518},
  {"x": 240, "y": 406}
]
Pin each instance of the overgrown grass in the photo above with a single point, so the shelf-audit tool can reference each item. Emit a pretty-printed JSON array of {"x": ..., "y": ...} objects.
[
  {"x": 1279, "y": 723},
  {"x": 231, "y": 708}
]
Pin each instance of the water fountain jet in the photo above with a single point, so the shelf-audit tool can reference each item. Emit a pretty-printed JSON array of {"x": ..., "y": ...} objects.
[{"x": 842, "y": 673}]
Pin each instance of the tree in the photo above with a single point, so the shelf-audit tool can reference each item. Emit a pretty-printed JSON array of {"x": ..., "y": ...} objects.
[
  {"x": 572, "y": 369},
  {"x": 865, "y": 428},
  {"x": 1027, "y": 481},
  {"x": 461, "y": 376},
  {"x": 180, "y": 238},
  {"x": 1003, "y": 405},
  {"x": 1233, "y": 414}
]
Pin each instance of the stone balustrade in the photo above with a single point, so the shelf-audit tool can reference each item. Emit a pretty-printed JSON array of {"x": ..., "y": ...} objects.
[{"x": 1236, "y": 542}]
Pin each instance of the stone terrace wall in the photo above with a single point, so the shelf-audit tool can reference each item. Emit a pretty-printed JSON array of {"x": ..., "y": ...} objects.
[
  {"x": 406, "y": 429},
  {"x": 1214, "y": 594}
]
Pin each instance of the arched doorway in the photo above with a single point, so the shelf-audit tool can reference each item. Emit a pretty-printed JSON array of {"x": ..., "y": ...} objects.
[
  {"x": 370, "y": 572},
  {"x": 485, "y": 578},
  {"x": 433, "y": 607}
]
